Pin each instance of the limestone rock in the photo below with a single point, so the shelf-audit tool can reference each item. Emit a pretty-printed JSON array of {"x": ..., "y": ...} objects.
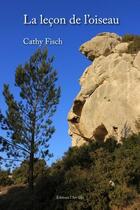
[
  {"x": 102, "y": 44},
  {"x": 121, "y": 48},
  {"x": 108, "y": 103},
  {"x": 137, "y": 61}
]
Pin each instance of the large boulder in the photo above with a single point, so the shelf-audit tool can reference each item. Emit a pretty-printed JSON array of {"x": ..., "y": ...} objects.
[
  {"x": 108, "y": 103},
  {"x": 102, "y": 44}
]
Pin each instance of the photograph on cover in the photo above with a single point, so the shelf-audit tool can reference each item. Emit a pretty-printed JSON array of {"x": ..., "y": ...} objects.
[{"x": 70, "y": 105}]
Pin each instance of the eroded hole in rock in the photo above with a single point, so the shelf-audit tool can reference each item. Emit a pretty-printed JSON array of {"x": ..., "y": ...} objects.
[
  {"x": 75, "y": 119},
  {"x": 77, "y": 108},
  {"x": 115, "y": 128},
  {"x": 90, "y": 55},
  {"x": 107, "y": 51},
  {"x": 100, "y": 133}
]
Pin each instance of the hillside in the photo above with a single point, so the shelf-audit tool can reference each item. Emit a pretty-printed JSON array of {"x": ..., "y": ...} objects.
[{"x": 97, "y": 176}]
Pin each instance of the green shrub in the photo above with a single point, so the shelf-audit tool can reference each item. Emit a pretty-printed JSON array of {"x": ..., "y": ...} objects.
[
  {"x": 20, "y": 174},
  {"x": 134, "y": 45},
  {"x": 128, "y": 37},
  {"x": 92, "y": 177},
  {"x": 5, "y": 180}
]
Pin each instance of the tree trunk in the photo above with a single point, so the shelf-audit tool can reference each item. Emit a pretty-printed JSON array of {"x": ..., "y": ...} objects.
[
  {"x": 31, "y": 172},
  {"x": 31, "y": 160}
]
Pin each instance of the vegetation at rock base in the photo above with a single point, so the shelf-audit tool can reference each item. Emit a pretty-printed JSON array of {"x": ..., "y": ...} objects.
[
  {"x": 98, "y": 176},
  {"x": 134, "y": 40}
]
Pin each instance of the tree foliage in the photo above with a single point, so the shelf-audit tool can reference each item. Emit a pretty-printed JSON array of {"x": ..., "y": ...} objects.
[{"x": 28, "y": 120}]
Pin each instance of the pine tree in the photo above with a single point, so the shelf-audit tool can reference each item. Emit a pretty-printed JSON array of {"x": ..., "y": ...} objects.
[{"x": 28, "y": 120}]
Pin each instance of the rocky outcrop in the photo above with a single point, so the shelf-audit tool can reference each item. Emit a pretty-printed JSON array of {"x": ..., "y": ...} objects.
[{"x": 108, "y": 103}]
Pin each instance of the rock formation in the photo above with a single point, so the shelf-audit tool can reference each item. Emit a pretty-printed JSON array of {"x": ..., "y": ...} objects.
[{"x": 108, "y": 103}]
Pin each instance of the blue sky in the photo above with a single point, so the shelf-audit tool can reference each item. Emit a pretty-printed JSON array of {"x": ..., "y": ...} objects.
[{"x": 69, "y": 63}]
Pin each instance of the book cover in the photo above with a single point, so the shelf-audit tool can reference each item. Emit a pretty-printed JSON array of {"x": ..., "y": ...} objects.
[{"x": 69, "y": 105}]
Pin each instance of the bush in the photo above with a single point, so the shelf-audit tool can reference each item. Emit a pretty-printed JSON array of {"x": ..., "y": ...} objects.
[
  {"x": 128, "y": 37},
  {"x": 104, "y": 175},
  {"x": 134, "y": 45},
  {"x": 5, "y": 180},
  {"x": 92, "y": 177},
  {"x": 20, "y": 174}
]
